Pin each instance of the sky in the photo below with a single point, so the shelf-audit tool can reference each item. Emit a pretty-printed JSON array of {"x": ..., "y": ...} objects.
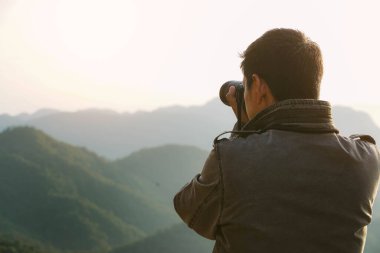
[{"x": 135, "y": 55}]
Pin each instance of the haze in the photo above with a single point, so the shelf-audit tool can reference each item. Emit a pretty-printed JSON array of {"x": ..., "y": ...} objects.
[{"x": 140, "y": 55}]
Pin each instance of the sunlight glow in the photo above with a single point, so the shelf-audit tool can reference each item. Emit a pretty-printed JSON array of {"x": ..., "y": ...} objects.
[
  {"x": 130, "y": 55},
  {"x": 94, "y": 29}
]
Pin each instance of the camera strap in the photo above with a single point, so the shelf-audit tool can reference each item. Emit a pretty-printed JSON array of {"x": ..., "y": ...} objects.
[
  {"x": 239, "y": 101},
  {"x": 235, "y": 134},
  {"x": 317, "y": 130}
]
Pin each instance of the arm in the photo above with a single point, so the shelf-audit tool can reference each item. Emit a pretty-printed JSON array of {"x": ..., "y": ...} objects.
[{"x": 198, "y": 203}]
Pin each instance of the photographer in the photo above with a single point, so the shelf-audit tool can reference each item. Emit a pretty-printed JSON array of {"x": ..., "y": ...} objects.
[{"x": 287, "y": 181}]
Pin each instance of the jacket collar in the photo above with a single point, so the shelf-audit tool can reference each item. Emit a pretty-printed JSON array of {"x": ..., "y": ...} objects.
[{"x": 299, "y": 115}]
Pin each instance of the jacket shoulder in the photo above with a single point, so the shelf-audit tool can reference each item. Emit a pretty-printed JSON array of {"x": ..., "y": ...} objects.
[
  {"x": 233, "y": 136},
  {"x": 363, "y": 137}
]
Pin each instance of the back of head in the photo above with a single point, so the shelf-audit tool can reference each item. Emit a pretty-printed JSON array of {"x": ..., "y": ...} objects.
[{"x": 289, "y": 62}]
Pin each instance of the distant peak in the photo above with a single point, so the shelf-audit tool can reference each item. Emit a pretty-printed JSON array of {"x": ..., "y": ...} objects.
[
  {"x": 98, "y": 110},
  {"x": 38, "y": 114}
]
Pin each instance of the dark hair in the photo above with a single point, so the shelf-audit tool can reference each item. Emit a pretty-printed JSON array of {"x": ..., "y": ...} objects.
[{"x": 289, "y": 62}]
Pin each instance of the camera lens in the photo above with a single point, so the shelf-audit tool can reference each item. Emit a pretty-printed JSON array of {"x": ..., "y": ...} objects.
[{"x": 239, "y": 89}]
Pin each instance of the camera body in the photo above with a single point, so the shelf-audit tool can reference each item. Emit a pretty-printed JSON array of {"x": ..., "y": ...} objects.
[{"x": 239, "y": 95}]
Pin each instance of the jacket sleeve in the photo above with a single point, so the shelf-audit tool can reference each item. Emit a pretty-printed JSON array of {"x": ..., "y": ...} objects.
[{"x": 198, "y": 203}]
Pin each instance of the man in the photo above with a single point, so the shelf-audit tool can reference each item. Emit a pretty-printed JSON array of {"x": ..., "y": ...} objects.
[{"x": 288, "y": 182}]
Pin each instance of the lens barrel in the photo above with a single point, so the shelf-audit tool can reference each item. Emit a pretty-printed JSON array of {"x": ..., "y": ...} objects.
[{"x": 239, "y": 91}]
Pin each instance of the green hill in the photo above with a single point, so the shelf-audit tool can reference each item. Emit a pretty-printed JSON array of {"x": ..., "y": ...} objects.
[
  {"x": 159, "y": 172},
  {"x": 56, "y": 194},
  {"x": 173, "y": 240},
  {"x": 20, "y": 244}
]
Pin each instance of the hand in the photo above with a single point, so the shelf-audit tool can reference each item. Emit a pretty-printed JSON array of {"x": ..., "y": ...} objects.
[{"x": 231, "y": 99}]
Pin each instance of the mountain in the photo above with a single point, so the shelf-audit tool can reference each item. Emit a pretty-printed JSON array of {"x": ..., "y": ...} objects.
[
  {"x": 19, "y": 244},
  {"x": 159, "y": 172},
  {"x": 58, "y": 194},
  {"x": 38, "y": 114},
  {"x": 54, "y": 196},
  {"x": 350, "y": 121},
  {"x": 175, "y": 239},
  {"x": 7, "y": 120},
  {"x": 70, "y": 198},
  {"x": 115, "y": 135}
]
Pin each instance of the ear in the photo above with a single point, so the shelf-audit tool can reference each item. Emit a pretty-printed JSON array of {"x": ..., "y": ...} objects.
[{"x": 263, "y": 93}]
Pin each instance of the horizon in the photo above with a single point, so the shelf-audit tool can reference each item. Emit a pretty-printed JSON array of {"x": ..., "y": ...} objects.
[
  {"x": 60, "y": 54},
  {"x": 372, "y": 110}
]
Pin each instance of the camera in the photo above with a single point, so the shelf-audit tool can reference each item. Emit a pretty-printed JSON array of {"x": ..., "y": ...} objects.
[
  {"x": 239, "y": 92},
  {"x": 239, "y": 95}
]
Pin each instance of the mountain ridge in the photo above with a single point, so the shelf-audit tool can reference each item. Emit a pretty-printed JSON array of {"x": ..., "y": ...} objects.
[
  {"x": 64, "y": 196},
  {"x": 115, "y": 135},
  {"x": 71, "y": 199}
]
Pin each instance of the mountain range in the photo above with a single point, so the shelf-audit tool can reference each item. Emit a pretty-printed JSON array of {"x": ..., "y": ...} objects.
[
  {"x": 70, "y": 198},
  {"x": 58, "y": 196},
  {"x": 55, "y": 196},
  {"x": 115, "y": 135}
]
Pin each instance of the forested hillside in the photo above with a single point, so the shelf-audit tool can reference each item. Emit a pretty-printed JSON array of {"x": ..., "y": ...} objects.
[
  {"x": 61, "y": 195},
  {"x": 57, "y": 198},
  {"x": 172, "y": 240}
]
